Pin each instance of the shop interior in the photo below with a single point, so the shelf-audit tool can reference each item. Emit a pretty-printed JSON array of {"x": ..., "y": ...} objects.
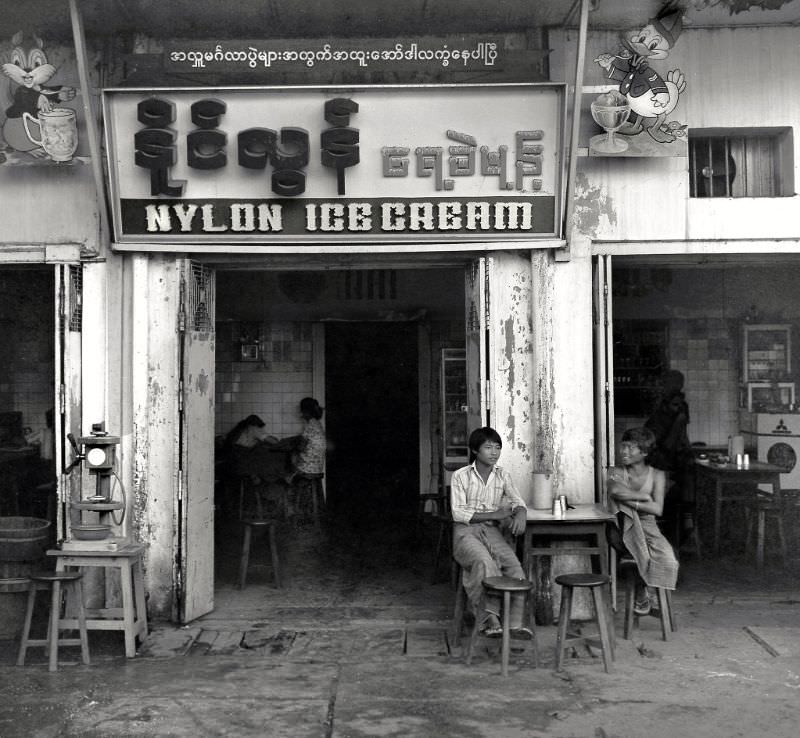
[
  {"x": 27, "y": 392},
  {"x": 693, "y": 317},
  {"x": 368, "y": 345},
  {"x": 730, "y": 326}
]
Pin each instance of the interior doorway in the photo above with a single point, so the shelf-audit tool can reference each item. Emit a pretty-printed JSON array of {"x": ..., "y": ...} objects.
[{"x": 372, "y": 417}]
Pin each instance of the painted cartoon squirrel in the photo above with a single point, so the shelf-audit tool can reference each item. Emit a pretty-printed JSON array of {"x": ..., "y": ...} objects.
[
  {"x": 29, "y": 70},
  {"x": 650, "y": 96}
]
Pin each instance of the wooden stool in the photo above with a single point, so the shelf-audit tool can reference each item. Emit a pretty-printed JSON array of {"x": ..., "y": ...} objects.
[
  {"x": 567, "y": 639},
  {"x": 504, "y": 585},
  {"x": 131, "y": 618},
  {"x": 759, "y": 510},
  {"x": 269, "y": 526},
  {"x": 310, "y": 484},
  {"x": 72, "y": 585},
  {"x": 668, "y": 624}
]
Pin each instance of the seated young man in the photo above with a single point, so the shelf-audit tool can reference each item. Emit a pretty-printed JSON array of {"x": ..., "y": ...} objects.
[{"x": 485, "y": 503}]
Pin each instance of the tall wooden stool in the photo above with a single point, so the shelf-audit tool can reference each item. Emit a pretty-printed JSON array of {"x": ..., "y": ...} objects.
[
  {"x": 597, "y": 584},
  {"x": 72, "y": 586},
  {"x": 758, "y": 511},
  {"x": 269, "y": 526},
  {"x": 131, "y": 618},
  {"x": 504, "y": 586},
  {"x": 665, "y": 614}
]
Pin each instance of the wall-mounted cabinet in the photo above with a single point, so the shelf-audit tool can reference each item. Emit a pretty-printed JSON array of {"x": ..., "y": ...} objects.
[
  {"x": 641, "y": 356},
  {"x": 766, "y": 352},
  {"x": 455, "y": 434}
]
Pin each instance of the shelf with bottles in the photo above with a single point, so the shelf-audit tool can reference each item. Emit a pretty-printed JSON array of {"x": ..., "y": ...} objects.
[
  {"x": 640, "y": 359},
  {"x": 454, "y": 408}
]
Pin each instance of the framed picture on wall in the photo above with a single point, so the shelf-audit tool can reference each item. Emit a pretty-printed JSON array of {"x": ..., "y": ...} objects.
[{"x": 250, "y": 352}]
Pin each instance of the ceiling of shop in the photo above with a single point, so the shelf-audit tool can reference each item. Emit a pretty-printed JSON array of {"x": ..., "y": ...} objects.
[{"x": 380, "y": 18}]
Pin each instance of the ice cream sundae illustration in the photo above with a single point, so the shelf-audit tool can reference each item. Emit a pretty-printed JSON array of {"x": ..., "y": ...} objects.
[{"x": 610, "y": 111}]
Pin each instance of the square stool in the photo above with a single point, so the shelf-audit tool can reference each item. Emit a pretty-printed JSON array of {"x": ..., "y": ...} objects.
[
  {"x": 131, "y": 618},
  {"x": 597, "y": 584},
  {"x": 68, "y": 583}
]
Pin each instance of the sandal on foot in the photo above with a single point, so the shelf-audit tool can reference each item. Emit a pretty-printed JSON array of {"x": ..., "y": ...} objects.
[{"x": 641, "y": 607}]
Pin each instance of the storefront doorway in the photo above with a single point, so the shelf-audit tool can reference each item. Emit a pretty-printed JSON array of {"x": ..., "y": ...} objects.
[
  {"x": 372, "y": 389},
  {"x": 27, "y": 392},
  {"x": 728, "y": 325},
  {"x": 367, "y": 344}
]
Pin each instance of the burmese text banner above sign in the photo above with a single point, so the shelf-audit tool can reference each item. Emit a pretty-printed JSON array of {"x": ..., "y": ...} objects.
[{"x": 248, "y": 169}]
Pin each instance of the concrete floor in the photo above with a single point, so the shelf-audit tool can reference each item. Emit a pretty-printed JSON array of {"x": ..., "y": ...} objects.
[{"x": 357, "y": 644}]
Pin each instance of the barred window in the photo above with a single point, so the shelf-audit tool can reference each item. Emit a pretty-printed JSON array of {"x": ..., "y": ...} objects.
[{"x": 752, "y": 162}]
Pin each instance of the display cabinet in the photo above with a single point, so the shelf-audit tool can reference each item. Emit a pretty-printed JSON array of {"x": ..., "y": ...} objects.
[
  {"x": 641, "y": 357},
  {"x": 766, "y": 352},
  {"x": 455, "y": 453}
]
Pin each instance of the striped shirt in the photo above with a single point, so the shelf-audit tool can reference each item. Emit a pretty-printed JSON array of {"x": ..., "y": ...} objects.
[{"x": 469, "y": 494}]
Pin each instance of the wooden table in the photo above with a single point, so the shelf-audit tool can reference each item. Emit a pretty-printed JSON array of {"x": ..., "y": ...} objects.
[
  {"x": 720, "y": 476},
  {"x": 582, "y": 530},
  {"x": 132, "y": 616}
]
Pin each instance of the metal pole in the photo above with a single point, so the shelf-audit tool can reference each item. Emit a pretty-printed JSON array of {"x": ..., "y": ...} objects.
[
  {"x": 564, "y": 254},
  {"x": 92, "y": 127}
]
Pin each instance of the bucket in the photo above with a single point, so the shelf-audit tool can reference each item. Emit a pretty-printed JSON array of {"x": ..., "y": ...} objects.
[
  {"x": 23, "y": 539},
  {"x": 542, "y": 491}
]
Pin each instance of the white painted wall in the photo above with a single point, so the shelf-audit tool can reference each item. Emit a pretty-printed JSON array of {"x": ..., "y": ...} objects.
[{"x": 733, "y": 79}]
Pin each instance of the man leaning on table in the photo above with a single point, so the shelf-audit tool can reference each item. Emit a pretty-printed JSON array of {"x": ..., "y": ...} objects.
[{"x": 485, "y": 503}]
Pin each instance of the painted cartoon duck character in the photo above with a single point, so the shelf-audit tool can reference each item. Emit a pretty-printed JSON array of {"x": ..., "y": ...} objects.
[
  {"x": 29, "y": 69},
  {"x": 650, "y": 96}
]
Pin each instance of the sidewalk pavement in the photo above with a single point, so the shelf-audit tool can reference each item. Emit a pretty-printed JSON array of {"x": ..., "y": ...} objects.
[{"x": 359, "y": 647}]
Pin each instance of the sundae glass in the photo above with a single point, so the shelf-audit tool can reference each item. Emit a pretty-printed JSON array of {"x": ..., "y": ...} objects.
[{"x": 610, "y": 111}]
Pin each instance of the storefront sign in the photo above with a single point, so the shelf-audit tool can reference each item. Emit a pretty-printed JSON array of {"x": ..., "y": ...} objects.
[
  {"x": 467, "y": 52},
  {"x": 228, "y": 168}
]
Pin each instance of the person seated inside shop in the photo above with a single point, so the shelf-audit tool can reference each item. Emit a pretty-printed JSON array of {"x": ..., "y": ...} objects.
[
  {"x": 636, "y": 493},
  {"x": 486, "y": 506},
  {"x": 253, "y": 453}
]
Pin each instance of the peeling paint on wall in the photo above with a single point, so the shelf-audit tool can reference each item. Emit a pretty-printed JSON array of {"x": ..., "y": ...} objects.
[
  {"x": 591, "y": 204},
  {"x": 202, "y": 384}
]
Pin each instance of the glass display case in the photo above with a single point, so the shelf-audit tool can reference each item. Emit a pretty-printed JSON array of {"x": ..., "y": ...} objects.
[
  {"x": 455, "y": 433},
  {"x": 766, "y": 352}
]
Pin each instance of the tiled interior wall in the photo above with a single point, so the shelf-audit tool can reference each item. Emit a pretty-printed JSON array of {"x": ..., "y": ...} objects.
[
  {"x": 271, "y": 383},
  {"x": 706, "y": 308},
  {"x": 705, "y": 350}
]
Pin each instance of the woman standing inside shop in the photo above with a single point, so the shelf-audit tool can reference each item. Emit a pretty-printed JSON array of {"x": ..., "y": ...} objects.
[
  {"x": 309, "y": 456},
  {"x": 636, "y": 491}
]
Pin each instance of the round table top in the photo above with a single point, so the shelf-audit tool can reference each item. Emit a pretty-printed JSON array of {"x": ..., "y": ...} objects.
[{"x": 583, "y": 579}]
